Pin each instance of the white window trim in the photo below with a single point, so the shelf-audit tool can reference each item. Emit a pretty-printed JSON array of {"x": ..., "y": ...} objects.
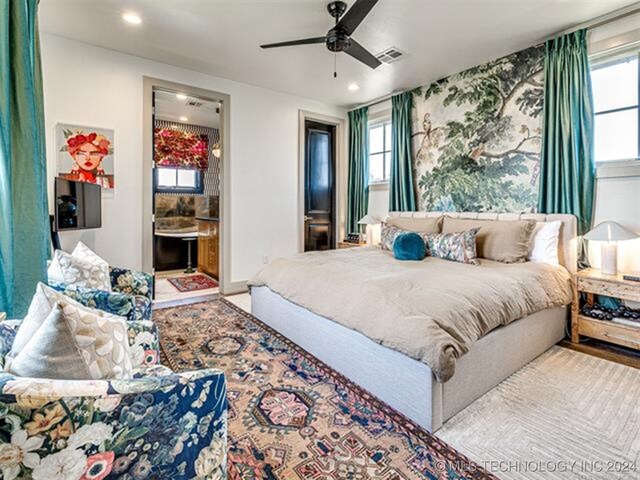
[
  {"x": 384, "y": 185},
  {"x": 616, "y": 168},
  {"x": 379, "y": 118}
]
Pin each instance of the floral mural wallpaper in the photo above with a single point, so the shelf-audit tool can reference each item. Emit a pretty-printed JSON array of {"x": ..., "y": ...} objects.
[{"x": 477, "y": 137}]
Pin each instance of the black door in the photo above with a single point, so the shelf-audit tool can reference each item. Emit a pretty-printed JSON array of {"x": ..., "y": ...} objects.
[{"x": 319, "y": 186}]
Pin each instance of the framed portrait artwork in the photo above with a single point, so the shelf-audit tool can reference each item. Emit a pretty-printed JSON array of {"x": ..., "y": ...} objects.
[{"x": 85, "y": 154}]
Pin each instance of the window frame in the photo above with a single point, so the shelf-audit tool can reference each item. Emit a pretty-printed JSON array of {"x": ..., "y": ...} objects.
[
  {"x": 618, "y": 165},
  {"x": 197, "y": 190},
  {"x": 385, "y": 122}
]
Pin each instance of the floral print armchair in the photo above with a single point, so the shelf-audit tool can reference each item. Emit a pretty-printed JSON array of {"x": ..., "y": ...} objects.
[
  {"x": 158, "y": 425},
  {"x": 130, "y": 296}
]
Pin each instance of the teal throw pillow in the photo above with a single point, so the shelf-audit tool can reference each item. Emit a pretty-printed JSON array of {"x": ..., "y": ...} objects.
[{"x": 409, "y": 246}]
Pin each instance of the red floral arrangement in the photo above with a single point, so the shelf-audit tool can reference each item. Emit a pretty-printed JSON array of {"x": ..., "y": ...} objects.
[
  {"x": 175, "y": 148},
  {"x": 75, "y": 142}
]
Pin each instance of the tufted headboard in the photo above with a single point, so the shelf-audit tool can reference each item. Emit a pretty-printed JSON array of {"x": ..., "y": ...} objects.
[{"x": 568, "y": 245}]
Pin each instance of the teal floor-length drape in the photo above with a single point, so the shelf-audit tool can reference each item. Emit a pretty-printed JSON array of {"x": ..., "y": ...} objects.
[
  {"x": 401, "y": 189},
  {"x": 358, "y": 193},
  {"x": 567, "y": 176},
  {"x": 24, "y": 225}
]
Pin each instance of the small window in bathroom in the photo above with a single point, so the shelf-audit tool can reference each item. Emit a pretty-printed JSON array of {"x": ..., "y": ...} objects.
[{"x": 178, "y": 180}]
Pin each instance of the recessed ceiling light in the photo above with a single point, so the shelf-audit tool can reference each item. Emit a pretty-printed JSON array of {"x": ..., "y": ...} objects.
[
  {"x": 181, "y": 96},
  {"x": 353, "y": 87},
  {"x": 132, "y": 18},
  {"x": 184, "y": 119}
]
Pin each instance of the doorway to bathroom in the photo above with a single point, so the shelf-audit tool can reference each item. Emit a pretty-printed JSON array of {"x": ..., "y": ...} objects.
[{"x": 186, "y": 178}]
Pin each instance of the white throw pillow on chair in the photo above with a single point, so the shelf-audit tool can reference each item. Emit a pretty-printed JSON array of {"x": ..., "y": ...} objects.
[
  {"x": 41, "y": 306},
  {"x": 82, "y": 268},
  {"x": 75, "y": 344}
]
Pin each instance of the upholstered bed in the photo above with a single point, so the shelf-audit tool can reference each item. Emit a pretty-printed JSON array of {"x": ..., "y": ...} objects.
[{"x": 402, "y": 380}]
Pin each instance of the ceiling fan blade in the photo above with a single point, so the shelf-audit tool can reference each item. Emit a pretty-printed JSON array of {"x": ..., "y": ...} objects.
[
  {"x": 358, "y": 52},
  {"x": 305, "y": 41},
  {"x": 350, "y": 21}
]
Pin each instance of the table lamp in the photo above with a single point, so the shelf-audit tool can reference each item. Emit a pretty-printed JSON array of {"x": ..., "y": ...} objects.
[
  {"x": 610, "y": 233},
  {"x": 369, "y": 221}
]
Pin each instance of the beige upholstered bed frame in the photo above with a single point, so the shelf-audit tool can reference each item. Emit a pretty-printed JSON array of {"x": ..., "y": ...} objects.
[{"x": 406, "y": 384}]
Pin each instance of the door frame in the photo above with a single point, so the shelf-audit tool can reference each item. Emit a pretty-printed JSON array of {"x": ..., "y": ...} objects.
[
  {"x": 341, "y": 173},
  {"x": 149, "y": 84}
]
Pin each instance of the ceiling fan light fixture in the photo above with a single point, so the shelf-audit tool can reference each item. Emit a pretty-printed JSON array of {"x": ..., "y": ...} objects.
[{"x": 339, "y": 38}]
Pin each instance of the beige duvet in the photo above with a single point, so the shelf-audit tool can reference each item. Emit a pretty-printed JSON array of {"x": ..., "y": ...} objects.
[{"x": 432, "y": 311}]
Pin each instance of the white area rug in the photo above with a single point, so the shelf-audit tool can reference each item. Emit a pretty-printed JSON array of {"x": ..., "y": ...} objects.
[{"x": 566, "y": 415}]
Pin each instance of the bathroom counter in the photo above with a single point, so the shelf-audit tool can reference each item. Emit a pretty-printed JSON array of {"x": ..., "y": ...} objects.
[{"x": 191, "y": 234}]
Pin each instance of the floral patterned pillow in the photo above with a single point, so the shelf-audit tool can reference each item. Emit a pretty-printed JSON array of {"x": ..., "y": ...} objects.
[
  {"x": 389, "y": 234},
  {"x": 457, "y": 247}
]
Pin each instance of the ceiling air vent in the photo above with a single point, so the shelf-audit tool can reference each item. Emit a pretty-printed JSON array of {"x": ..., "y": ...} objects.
[
  {"x": 390, "y": 55},
  {"x": 194, "y": 103}
]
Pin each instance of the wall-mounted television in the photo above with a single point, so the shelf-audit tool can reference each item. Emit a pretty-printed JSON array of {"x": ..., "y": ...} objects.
[{"x": 78, "y": 205}]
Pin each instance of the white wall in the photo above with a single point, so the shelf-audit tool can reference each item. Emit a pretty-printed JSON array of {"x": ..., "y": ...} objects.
[{"x": 91, "y": 86}]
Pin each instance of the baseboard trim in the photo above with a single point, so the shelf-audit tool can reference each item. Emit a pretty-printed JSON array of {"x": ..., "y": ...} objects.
[
  {"x": 605, "y": 351},
  {"x": 233, "y": 288}
]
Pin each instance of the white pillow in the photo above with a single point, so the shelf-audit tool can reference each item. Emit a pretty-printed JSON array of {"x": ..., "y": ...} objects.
[
  {"x": 544, "y": 244},
  {"x": 75, "y": 344},
  {"x": 42, "y": 304},
  {"x": 84, "y": 269}
]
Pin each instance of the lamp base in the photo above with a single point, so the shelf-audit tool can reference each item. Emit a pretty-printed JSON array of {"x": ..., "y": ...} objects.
[
  {"x": 609, "y": 258},
  {"x": 369, "y": 230}
]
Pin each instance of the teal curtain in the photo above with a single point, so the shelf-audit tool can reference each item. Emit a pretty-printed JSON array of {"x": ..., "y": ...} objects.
[
  {"x": 24, "y": 225},
  {"x": 358, "y": 193},
  {"x": 401, "y": 191},
  {"x": 567, "y": 170}
]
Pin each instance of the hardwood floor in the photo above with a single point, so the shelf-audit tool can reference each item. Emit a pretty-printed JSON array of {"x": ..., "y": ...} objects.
[{"x": 606, "y": 351}]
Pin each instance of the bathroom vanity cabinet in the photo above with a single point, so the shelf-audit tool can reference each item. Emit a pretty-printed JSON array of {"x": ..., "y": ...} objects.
[{"x": 209, "y": 245}]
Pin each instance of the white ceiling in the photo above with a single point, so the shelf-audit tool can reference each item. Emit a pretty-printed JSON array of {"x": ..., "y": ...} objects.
[
  {"x": 222, "y": 37},
  {"x": 197, "y": 111}
]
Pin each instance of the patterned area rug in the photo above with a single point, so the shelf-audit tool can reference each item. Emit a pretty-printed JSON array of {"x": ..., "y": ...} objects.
[
  {"x": 566, "y": 415},
  {"x": 192, "y": 283},
  {"x": 293, "y": 417}
]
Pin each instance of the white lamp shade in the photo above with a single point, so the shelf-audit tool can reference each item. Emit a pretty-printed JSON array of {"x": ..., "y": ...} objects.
[
  {"x": 610, "y": 232},
  {"x": 368, "y": 220}
]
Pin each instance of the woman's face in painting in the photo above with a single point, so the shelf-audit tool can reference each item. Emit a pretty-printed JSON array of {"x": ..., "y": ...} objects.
[{"x": 88, "y": 157}]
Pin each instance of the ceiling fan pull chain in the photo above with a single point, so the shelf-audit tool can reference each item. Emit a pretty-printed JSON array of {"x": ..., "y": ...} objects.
[{"x": 335, "y": 68}]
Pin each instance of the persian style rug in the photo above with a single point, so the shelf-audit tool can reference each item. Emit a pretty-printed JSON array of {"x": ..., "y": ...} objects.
[
  {"x": 192, "y": 283},
  {"x": 293, "y": 417}
]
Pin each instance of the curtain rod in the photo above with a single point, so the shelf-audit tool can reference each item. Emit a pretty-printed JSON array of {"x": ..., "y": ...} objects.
[
  {"x": 601, "y": 23},
  {"x": 605, "y": 21}
]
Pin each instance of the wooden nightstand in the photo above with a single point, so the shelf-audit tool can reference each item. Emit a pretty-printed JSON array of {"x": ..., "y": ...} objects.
[
  {"x": 350, "y": 244},
  {"x": 593, "y": 282}
]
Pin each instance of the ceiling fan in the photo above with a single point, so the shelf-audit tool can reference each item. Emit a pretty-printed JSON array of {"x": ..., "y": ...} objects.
[{"x": 338, "y": 39}]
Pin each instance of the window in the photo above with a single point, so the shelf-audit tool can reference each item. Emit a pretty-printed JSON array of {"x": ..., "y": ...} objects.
[
  {"x": 380, "y": 151},
  {"x": 178, "y": 180},
  {"x": 616, "y": 88}
]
